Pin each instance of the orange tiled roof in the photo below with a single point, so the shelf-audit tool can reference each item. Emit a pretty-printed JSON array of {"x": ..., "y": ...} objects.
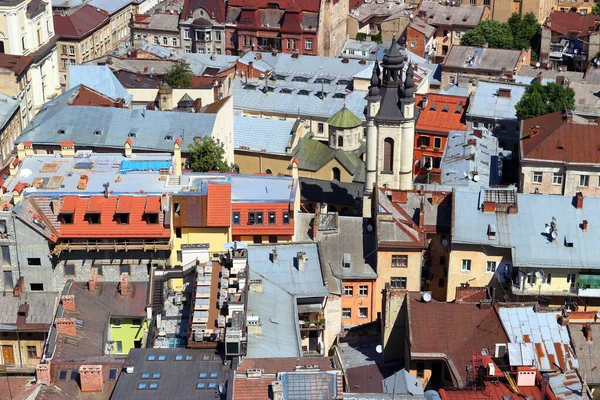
[
  {"x": 443, "y": 113},
  {"x": 218, "y": 205},
  {"x": 69, "y": 204},
  {"x": 108, "y": 227},
  {"x": 152, "y": 204}
]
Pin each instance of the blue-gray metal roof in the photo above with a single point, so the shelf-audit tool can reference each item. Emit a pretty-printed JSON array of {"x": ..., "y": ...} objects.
[
  {"x": 271, "y": 136},
  {"x": 282, "y": 285},
  {"x": 99, "y": 78},
  {"x": 524, "y": 232},
  {"x": 402, "y": 382},
  {"x": 462, "y": 161},
  {"x": 108, "y": 127},
  {"x": 257, "y": 188},
  {"x": 487, "y": 104},
  {"x": 8, "y": 106},
  {"x": 110, "y": 6},
  {"x": 198, "y": 62}
]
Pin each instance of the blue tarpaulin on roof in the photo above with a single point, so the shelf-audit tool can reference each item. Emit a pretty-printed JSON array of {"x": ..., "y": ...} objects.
[{"x": 140, "y": 165}]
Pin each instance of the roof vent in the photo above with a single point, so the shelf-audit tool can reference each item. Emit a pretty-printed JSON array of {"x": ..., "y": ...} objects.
[
  {"x": 568, "y": 241},
  {"x": 491, "y": 231},
  {"x": 254, "y": 373}
]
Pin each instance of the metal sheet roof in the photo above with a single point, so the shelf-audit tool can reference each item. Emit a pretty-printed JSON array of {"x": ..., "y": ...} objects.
[
  {"x": 487, "y": 104},
  {"x": 99, "y": 78},
  {"x": 271, "y": 136}
]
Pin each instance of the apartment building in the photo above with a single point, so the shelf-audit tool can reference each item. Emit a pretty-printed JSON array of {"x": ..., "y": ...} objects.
[
  {"x": 502, "y": 10},
  {"x": 10, "y": 125},
  {"x": 120, "y": 13},
  {"x": 27, "y": 29},
  {"x": 82, "y": 36},
  {"x": 203, "y": 27},
  {"x": 161, "y": 28}
]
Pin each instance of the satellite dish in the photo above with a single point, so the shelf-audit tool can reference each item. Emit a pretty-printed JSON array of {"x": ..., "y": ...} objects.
[
  {"x": 444, "y": 242},
  {"x": 539, "y": 274},
  {"x": 554, "y": 234},
  {"x": 598, "y": 314},
  {"x": 426, "y": 297},
  {"x": 476, "y": 178},
  {"x": 537, "y": 64},
  {"x": 548, "y": 230},
  {"x": 470, "y": 175},
  {"x": 379, "y": 349},
  {"x": 485, "y": 352}
]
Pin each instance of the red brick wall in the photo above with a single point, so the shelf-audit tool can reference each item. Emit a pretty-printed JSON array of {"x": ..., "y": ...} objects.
[
  {"x": 66, "y": 326},
  {"x": 68, "y": 302},
  {"x": 90, "y": 377},
  {"x": 42, "y": 373},
  {"x": 412, "y": 35}
]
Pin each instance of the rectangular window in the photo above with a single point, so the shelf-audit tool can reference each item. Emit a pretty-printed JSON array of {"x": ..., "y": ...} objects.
[
  {"x": 31, "y": 352},
  {"x": 584, "y": 180},
  {"x": 165, "y": 41},
  {"x": 178, "y": 233},
  {"x": 272, "y": 218},
  {"x": 399, "y": 261},
  {"x": 420, "y": 370},
  {"x": 363, "y": 290},
  {"x": 64, "y": 49},
  {"x": 174, "y": 42},
  {"x": 437, "y": 142},
  {"x": 286, "y": 218},
  {"x": 119, "y": 345},
  {"x": 155, "y": 39},
  {"x": 491, "y": 266},
  {"x": 251, "y": 218},
  {"x": 122, "y": 218},
  {"x": 179, "y": 256},
  {"x": 424, "y": 141},
  {"x": 308, "y": 44},
  {"x": 34, "y": 262},
  {"x": 136, "y": 322},
  {"x": 36, "y": 287},
  {"x": 69, "y": 270},
  {"x": 320, "y": 127},
  {"x": 537, "y": 177},
  {"x": 5, "y": 257},
  {"x": 217, "y": 36},
  {"x": 62, "y": 375},
  {"x": 236, "y": 218},
  {"x": 363, "y": 312},
  {"x": 257, "y": 239},
  {"x": 348, "y": 290},
  {"x": 73, "y": 375},
  {"x": 557, "y": 178},
  {"x": 346, "y": 313},
  {"x": 398, "y": 282},
  {"x": 71, "y": 50},
  {"x": 571, "y": 278},
  {"x": 466, "y": 265},
  {"x": 112, "y": 374},
  {"x": 124, "y": 269},
  {"x": 186, "y": 33},
  {"x": 547, "y": 279},
  {"x": 503, "y": 128},
  {"x": 273, "y": 239}
]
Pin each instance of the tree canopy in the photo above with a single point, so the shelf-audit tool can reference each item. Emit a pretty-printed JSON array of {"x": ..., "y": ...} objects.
[
  {"x": 179, "y": 76},
  {"x": 596, "y": 9},
  {"x": 208, "y": 154},
  {"x": 520, "y": 32},
  {"x": 544, "y": 99}
]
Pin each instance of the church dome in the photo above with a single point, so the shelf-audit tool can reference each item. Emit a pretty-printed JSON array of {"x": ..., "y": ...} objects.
[{"x": 344, "y": 119}]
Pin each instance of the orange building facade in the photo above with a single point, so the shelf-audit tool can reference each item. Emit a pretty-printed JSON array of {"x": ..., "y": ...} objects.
[
  {"x": 439, "y": 114},
  {"x": 357, "y": 301}
]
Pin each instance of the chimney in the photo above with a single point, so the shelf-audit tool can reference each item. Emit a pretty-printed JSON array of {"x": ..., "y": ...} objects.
[
  {"x": 42, "y": 374},
  {"x": 177, "y": 158},
  {"x": 568, "y": 116},
  {"x": 584, "y": 225},
  {"x": 437, "y": 198},
  {"x": 19, "y": 287},
  {"x": 68, "y": 302},
  {"x": 254, "y": 325},
  {"x": 28, "y": 148},
  {"x": 105, "y": 186},
  {"x": 587, "y": 331},
  {"x": 579, "y": 200},
  {"x": 526, "y": 376},
  {"x": 93, "y": 279},
  {"x": 197, "y": 105},
  {"x": 258, "y": 56},
  {"x": 255, "y": 285},
  {"x": 422, "y": 214},
  {"x": 478, "y": 133},
  {"x": 277, "y": 388},
  {"x": 274, "y": 256},
  {"x": 471, "y": 142},
  {"x": 90, "y": 378},
  {"x": 539, "y": 77},
  {"x": 301, "y": 260},
  {"x": 21, "y": 151},
  {"x": 67, "y": 148},
  {"x": 13, "y": 168},
  {"x": 128, "y": 149},
  {"x": 534, "y": 130},
  {"x": 504, "y": 92},
  {"x": 295, "y": 55},
  {"x": 66, "y": 326},
  {"x": 316, "y": 221},
  {"x": 124, "y": 283},
  {"x": 400, "y": 196}
]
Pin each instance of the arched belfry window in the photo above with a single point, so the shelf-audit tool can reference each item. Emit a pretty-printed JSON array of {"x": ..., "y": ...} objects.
[{"x": 388, "y": 155}]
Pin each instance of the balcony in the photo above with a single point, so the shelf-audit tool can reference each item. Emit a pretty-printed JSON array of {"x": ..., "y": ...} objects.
[
  {"x": 589, "y": 285},
  {"x": 527, "y": 289},
  {"x": 114, "y": 245}
]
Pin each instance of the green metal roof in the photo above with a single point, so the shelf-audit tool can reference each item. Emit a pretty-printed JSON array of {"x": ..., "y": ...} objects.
[{"x": 344, "y": 119}]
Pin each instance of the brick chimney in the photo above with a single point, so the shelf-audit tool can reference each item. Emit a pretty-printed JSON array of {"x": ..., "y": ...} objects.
[
  {"x": 316, "y": 219},
  {"x": 584, "y": 225},
  {"x": 587, "y": 331},
  {"x": 91, "y": 379},
  {"x": 42, "y": 373},
  {"x": 93, "y": 279},
  {"x": 478, "y": 133},
  {"x": 400, "y": 196},
  {"x": 124, "y": 284},
  {"x": 128, "y": 149},
  {"x": 68, "y": 302},
  {"x": 579, "y": 200},
  {"x": 66, "y": 326},
  {"x": 197, "y": 105},
  {"x": 19, "y": 287}
]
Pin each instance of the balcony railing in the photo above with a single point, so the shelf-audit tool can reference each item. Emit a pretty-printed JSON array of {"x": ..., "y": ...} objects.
[
  {"x": 536, "y": 290},
  {"x": 115, "y": 245}
]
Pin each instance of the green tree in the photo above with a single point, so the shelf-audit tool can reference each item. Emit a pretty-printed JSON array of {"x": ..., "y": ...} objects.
[
  {"x": 596, "y": 9},
  {"x": 524, "y": 29},
  {"x": 179, "y": 76},
  {"x": 495, "y": 33},
  {"x": 539, "y": 100},
  {"x": 208, "y": 154}
]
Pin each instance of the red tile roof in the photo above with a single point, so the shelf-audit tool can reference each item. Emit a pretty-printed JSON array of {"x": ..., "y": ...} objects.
[
  {"x": 69, "y": 204},
  {"x": 304, "y": 5},
  {"x": 567, "y": 22},
  {"x": 552, "y": 137},
  {"x": 16, "y": 64},
  {"x": 81, "y": 23},
  {"x": 442, "y": 113},
  {"x": 152, "y": 204},
  {"x": 86, "y": 96},
  {"x": 108, "y": 227},
  {"x": 124, "y": 204},
  {"x": 460, "y": 329},
  {"x": 218, "y": 205},
  {"x": 67, "y": 143},
  {"x": 19, "y": 187},
  {"x": 216, "y": 8}
]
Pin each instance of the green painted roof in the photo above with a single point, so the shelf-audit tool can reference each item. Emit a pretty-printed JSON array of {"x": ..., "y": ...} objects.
[{"x": 344, "y": 119}]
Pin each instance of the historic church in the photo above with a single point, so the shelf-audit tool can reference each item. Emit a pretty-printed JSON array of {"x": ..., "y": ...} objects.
[{"x": 390, "y": 127}]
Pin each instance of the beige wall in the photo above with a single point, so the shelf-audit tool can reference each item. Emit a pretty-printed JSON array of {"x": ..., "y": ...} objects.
[
  {"x": 477, "y": 276},
  {"x": 142, "y": 36},
  {"x": 326, "y": 172},
  {"x": 21, "y": 351},
  {"x": 9, "y": 135},
  {"x": 333, "y": 321},
  {"x": 259, "y": 163},
  {"x": 119, "y": 26},
  {"x": 332, "y": 29},
  {"x": 570, "y": 180},
  {"x": 385, "y": 271},
  {"x": 223, "y": 128},
  {"x": 149, "y": 95}
]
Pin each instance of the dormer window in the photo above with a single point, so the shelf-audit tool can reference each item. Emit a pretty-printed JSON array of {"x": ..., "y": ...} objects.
[
  {"x": 93, "y": 218},
  {"x": 61, "y": 131},
  {"x": 66, "y": 218},
  {"x": 132, "y": 134},
  {"x": 152, "y": 218},
  {"x": 168, "y": 137},
  {"x": 122, "y": 218},
  {"x": 97, "y": 133}
]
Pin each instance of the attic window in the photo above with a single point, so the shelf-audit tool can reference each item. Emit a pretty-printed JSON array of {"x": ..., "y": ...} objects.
[
  {"x": 300, "y": 79},
  {"x": 131, "y": 134},
  {"x": 122, "y": 218},
  {"x": 61, "y": 131},
  {"x": 168, "y": 137},
  {"x": 93, "y": 218},
  {"x": 321, "y": 94},
  {"x": 323, "y": 80},
  {"x": 97, "y": 133},
  {"x": 433, "y": 107},
  {"x": 465, "y": 18},
  {"x": 339, "y": 96},
  {"x": 152, "y": 218},
  {"x": 250, "y": 87},
  {"x": 568, "y": 241},
  {"x": 458, "y": 110},
  {"x": 445, "y": 109},
  {"x": 448, "y": 18},
  {"x": 286, "y": 91},
  {"x": 303, "y": 92},
  {"x": 344, "y": 82},
  {"x": 66, "y": 218}
]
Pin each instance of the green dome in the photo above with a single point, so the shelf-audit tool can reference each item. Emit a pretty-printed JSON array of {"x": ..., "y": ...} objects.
[{"x": 344, "y": 119}]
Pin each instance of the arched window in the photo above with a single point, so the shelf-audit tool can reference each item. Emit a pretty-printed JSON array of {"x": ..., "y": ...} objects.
[
  {"x": 269, "y": 172},
  {"x": 336, "y": 174},
  {"x": 388, "y": 155},
  {"x": 340, "y": 141}
]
